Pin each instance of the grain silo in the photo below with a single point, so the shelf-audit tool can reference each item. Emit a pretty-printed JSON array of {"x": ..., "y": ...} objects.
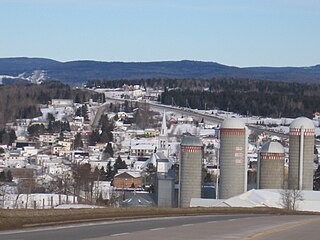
[
  {"x": 301, "y": 154},
  {"x": 233, "y": 158},
  {"x": 271, "y": 166},
  {"x": 190, "y": 170}
]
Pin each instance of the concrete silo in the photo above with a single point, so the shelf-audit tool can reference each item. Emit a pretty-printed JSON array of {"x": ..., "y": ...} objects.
[
  {"x": 233, "y": 158},
  {"x": 190, "y": 170},
  {"x": 271, "y": 166},
  {"x": 301, "y": 154}
]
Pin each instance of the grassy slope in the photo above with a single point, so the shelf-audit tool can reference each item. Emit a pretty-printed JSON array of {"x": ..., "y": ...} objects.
[{"x": 20, "y": 218}]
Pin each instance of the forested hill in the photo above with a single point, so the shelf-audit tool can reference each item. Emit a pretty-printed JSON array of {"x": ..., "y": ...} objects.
[
  {"x": 22, "y": 101},
  {"x": 249, "y": 97},
  {"x": 79, "y": 72},
  {"x": 244, "y": 96}
]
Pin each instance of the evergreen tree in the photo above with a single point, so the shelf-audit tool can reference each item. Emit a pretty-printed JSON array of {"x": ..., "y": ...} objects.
[
  {"x": 9, "y": 137},
  {"x": 51, "y": 120},
  {"x": 35, "y": 130},
  {"x": 2, "y": 132},
  {"x": 50, "y": 117},
  {"x": 109, "y": 150},
  {"x": 9, "y": 176},
  {"x": 56, "y": 126},
  {"x": 61, "y": 136},
  {"x": 78, "y": 141},
  {"x": 102, "y": 174},
  {"x": 77, "y": 98},
  {"x": 119, "y": 164},
  {"x": 12, "y": 136},
  {"x": 106, "y": 129},
  {"x": 2, "y": 176},
  {"x": 94, "y": 138},
  {"x": 85, "y": 112},
  {"x": 109, "y": 172},
  {"x": 65, "y": 126},
  {"x": 6, "y": 139}
]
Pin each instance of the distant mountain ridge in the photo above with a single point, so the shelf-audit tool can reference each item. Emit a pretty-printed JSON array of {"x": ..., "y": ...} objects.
[{"x": 79, "y": 72}]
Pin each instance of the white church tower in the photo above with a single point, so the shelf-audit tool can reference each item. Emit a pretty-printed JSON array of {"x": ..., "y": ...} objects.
[{"x": 163, "y": 137}]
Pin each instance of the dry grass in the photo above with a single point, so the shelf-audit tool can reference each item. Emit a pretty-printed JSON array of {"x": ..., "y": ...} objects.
[{"x": 19, "y": 218}]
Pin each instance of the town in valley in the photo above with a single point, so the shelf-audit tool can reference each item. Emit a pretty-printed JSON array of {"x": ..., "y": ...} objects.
[{"x": 126, "y": 149}]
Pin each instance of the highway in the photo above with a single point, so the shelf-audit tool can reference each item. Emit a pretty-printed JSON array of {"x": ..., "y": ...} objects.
[
  {"x": 208, "y": 118},
  {"x": 197, "y": 115},
  {"x": 187, "y": 227}
]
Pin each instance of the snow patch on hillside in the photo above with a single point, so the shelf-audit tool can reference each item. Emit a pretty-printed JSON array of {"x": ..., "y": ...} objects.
[{"x": 36, "y": 77}]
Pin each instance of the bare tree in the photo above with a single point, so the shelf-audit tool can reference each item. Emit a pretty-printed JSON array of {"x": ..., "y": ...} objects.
[
  {"x": 290, "y": 198},
  {"x": 3, "y": 192},
  {"x": 84, "y": 179},
  {"x": 61, "y": 185},
  {"x": 26, "y": 186},
  {"x": 144, "y": 116}
]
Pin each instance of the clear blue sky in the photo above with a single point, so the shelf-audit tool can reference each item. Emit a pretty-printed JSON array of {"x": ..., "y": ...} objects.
[{"x": 238, "y": 32}]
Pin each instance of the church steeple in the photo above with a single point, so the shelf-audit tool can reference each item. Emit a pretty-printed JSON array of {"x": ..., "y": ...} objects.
[
  {"x": 163, "y": 137},
  {"x": 164, "y": 129}
]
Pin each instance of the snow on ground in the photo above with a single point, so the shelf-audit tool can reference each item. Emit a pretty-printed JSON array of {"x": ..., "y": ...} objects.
[
  {"x": 38, "y": 200},
  {"x": 37, "y": 77},
  {"x": 57, "y": 112},
  {"x": 78, "y": 206},
  {"x": 180, "y": 129},
  {"x": 270, "y": 198},
  {"x": 280, "y": 125}
]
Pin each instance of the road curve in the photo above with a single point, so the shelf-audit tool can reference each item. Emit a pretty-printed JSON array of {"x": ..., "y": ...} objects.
[{"x": 242, "y": 226}]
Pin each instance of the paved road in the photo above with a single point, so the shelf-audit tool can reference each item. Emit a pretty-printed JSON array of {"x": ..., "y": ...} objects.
[
  {"x": 98, "y": 114},
  {"x": 207, "y": 117},
  {"x": 197, "y": 227}
]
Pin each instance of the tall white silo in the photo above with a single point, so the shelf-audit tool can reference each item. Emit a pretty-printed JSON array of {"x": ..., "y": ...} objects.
[
  {"x": 301, "y": 154},
  {"x": 190, "y": 170},
  {"x": 233, "y": 158},
  {"x": 271, "y": 166}
]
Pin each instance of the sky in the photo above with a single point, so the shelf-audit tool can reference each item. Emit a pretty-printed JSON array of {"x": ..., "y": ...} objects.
[{"x": 232, "y": 32}]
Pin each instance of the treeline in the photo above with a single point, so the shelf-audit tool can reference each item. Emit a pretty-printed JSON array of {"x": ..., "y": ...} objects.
[
  {"x": 244, "y": 96},
  {"x": 215, "y": 85},
  {"x": 104, "y": 134},
  {"x": 246, "y": 103},
  {"x": 152, "y": 82},
  {"x": 7, "y": 137},
  {"x": 21, "y": 101},
  {"x": 54, "y": 126}
]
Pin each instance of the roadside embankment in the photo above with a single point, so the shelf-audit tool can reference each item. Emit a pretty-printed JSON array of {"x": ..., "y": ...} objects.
[{"x": 22, "y": 218}]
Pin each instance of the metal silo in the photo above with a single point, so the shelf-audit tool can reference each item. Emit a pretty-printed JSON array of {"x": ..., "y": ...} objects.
[
  {"x": 233, "y": 158},
  {"x": 190, "y": 170},
  {"x": 271, "y": 166},
  {"x": 301, "y": 154}
]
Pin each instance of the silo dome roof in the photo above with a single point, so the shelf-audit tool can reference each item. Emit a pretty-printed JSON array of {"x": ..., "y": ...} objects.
[
  {"x": 233, "y": 123},
  {"x": 302, "y": 121},
  {"x": 191, "y": 141},
  {"x": 272, "y": 147}
]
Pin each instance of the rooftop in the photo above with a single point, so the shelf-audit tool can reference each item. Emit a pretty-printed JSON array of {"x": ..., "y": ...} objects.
[
  {"x": 302, "y": 122},
  {"x": 233, "y": 123},
  {"x": 272, "y": 147},
  {"x": 191, "y": 141}
]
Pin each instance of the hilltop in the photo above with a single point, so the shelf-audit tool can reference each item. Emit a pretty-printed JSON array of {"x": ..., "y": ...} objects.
[{"x": 79, "y": 72}]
